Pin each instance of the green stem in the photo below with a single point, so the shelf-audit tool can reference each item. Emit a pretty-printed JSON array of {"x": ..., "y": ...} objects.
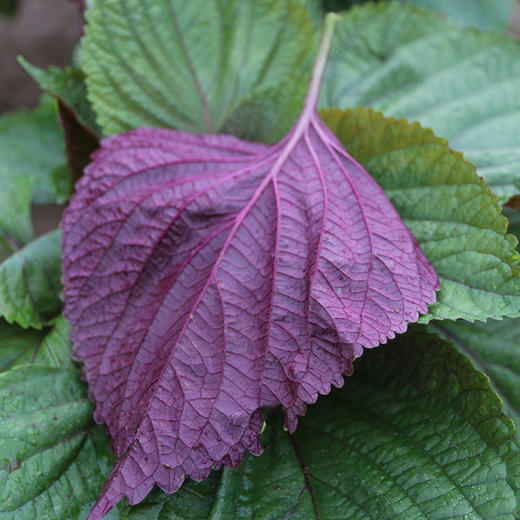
[{"x": 320, "y": 63}]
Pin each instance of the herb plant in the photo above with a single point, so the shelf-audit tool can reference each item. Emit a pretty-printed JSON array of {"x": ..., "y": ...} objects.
[{"x": 241, "y": 228}]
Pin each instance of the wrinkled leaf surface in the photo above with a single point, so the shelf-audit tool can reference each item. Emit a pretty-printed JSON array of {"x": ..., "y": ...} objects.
[{"x": 207, "y": 277}]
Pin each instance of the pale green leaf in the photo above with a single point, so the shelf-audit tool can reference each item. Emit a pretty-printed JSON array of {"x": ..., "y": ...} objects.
[
  {"x": 494, "y": 347},
  {"x": 314, "y": 10},
  {"x": 193, "y": 65},
  {"x": 453, "y": 215},
  {"x": 30, "y": 283},
  {"x": 488, "y": 14},
  {"x": 463, "y": 83}
]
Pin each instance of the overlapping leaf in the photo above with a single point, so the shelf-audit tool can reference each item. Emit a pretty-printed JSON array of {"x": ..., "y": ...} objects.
[
  {"x": 451, "y": 212},
  {"x": 494, "y": 346},
  {"x": 192, "y": 65},
  {"x": 76, "y": 115},
  {"x": 207, "y": 277},
  {"x": 463, "y": 83},
  {"x": 415, "y": 433}
]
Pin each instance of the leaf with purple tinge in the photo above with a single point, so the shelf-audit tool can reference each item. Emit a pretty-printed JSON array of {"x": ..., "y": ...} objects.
[{"x": 207, "y": 277}]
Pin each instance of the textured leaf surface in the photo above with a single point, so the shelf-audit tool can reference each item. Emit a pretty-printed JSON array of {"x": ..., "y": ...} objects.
[
  {"x": 207, "y": 277},
  {"x": 494, "y": 346},
  {"x": 30, "y": 283},
  {"x": 192, "y": 65},
  {"x": 451, "y": 212},
  {"x": 415, "y": 433},
  {"x": 488, "y": 14},
  {"x": 463, "y": 83},
  {"x": 31, "y": 148},
  {"x": 53, "y": 460}
]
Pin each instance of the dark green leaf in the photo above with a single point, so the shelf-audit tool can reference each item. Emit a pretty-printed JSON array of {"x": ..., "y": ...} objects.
[
  {"x": 30, "y": 283},
  {"x": 50, "y": 347},
  {"x": 8, "y": 7},
  {"x": 52, "y": 460},
  {"x": 494, "y": 348},
  {"x": 194, "y": 65},
  {"x": 76, "y": 115},
  {"x": 451, "y": 212},
  {"x": 17, "y": 344},
  {"x": 463, "y": 83},
  {"x": 341, "y": 5}
]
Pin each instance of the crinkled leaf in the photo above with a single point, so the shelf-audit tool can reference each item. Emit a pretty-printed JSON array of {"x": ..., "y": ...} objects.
[
  {"x": 463, "y": 83},
  {"x": 415, "y": 433},
  {"x": 488, "y": 14},
  {"x": 451, "y": 212},
  {"x": 52, "y": 459},
  {"x": 31, "y": 149},
  {"x": 494, "y": 346},
  {"x": 30, "y": 283},
  {"x": 192, "y": 65},
  {"x": 207, "y": 277}
]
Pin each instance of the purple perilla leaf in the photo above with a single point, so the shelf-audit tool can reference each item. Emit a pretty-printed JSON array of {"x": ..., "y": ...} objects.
[{"x": 207, "y": 277}]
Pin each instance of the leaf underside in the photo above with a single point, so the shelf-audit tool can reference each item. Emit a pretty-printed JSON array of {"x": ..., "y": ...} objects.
[
  {"x": 207, "y": 277},
  {"x": 456, "y": 219}
]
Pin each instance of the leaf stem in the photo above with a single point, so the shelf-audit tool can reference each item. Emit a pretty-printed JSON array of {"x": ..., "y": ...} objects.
[{"x": 320, "y": 63}]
